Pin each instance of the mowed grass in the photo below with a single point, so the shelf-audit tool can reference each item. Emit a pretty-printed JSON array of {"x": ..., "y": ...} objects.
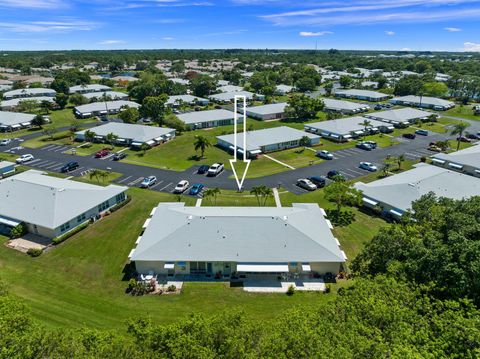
[
  {"x": 465, "y": 111},
  {"x": 80, "y": 281}
]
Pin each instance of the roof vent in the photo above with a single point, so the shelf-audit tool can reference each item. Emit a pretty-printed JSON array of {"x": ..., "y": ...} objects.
[
  {"x": 190, "y": 217},
  {"x": 285, "y": 218}
]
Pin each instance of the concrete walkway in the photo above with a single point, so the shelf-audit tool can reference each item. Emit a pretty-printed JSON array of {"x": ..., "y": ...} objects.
[
  {"x": 276, "y": 196},
  {"x": 266, "y": 286},
  {"x": 199, "y": 202},
  {"x": 275, "y": 160}
]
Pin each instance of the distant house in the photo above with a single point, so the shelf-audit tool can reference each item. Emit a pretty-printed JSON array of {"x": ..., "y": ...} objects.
[
  {"x": 283, "y": 89},
  {"x": 28, "y": 93},
  {"x": 394, "y": 195},
  {"x": 237, "y": 242},
  {"x": 15, "y": 102},
  {"x": 365, "y": 95},
  {"x": 402, "y": 116},
  {"x": 51, "y": 206},
  {"x": 130, "y": 134},
  {"x": 124, "y": 79},
  {"x": 6, "y": 168},
  {"x": 13, "y": 121},
  {"x": 274, "y": 111},
  {"x": 180, "y": 81},
  {"x": 344, "y": 129},
  {"x": 227, "y": 97},
  {"x": 113, "y": 95},
  {"x": 344, "y": 107},
  {"x": 188, "y": 99},
  {"x": 84, "y": 89},
  {"x": 424, "y": 102},
  {"x": 267, "y": 140},
  {"x": 370, "y": 84},
  {"x": 103, "y": 108},
  {"x": 229, "y": 88},
  {"x": 466, "y": 161},
  {"x": 206, "y": 119}
]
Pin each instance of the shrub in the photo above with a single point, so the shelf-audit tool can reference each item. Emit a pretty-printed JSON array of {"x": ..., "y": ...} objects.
[
  {"x": 328, "y": 288},
  {"x": 34, "y": 252},
  {"x": 63, "y": 237},
  {"x": 120, "y": 205},
  {"x": 291, "y": 290},
  {"x": 423, "y": 159},
  {"x": 18, "y": 231},
  {"x": 171, "y": 288}
]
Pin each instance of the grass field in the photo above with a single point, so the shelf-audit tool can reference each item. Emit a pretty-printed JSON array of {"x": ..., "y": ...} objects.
[{"x": 465, "y": 111}]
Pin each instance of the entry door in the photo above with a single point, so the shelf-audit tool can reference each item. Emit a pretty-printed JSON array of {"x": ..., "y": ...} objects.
[{"x": 209, "y": 267}]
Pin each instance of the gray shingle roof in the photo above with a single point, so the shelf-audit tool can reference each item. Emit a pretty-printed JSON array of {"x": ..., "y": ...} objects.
[
  {"x": 238, "y": 234},
  {"x": 49, "y": 202}
]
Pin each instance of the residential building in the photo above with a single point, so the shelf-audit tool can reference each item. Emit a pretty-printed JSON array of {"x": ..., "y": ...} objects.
[
  {"x": 433, "y": 103},
  {"x": 103, "y": 108},
  {"x": 393, "y": 195},
  {"x": 83, "y": 89},
  {"x": 206, "y": 119},
  {"x": 273, "y": 111},
  {"x": 130, "y": 134},
  {"x": 28, "y": 93},
  {"x": 344, "y": 107},
  {"x": 112, "y": 95},
  {"x": 188, "y": 99},
  {"x": 13, "y": 121},
  {"x": 229, "y": 88},
  {"x": 364, "y": 95},
  {"x": 15, "y": 102},
  {"x": 227, "y": 97},
  {"x": 51, "y": 206},
  {"x": 344, "y": 129},
  {"x": 466, "y": 161},
  {"x": 402, "y": 116},
  {"x": 180, "y": 81},
  {"x": 266, "y": 140},
  {"x": 283, "y": 89},
  {"x": 6, "y": 168},
  {"x": 233, "y": 242}
]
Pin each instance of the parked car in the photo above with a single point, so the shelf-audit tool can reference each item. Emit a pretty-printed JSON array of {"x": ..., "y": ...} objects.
[
  {"x": 25, "y": 158},
  {"x": 421, "y": 132},
  {"x": 306, "y": 184},
  {"x": 410, "y": 136},
  {"x": 388, "y": 105},
  {"x": 378, "y": 107},
  {"x": 181, "y": 186},
  {"x": 70, "y": 166},
  {"x": 203, "y": 169},
  {"x": 371, "y": 143},
  {"x": 364, "y": 146},
  {"x": 434, "y": 147},
  {"x": 368, "y": 166},
  {"x": 334, "y": 173},
  {"x": 318, "y": 181},
  {"x": 463, "y": 139},
  {"x": 102, "y": 153},
  {"x": 148, "y": 181},
  {"x": 196, "y": 189},
  {"x": 215, "y": 169},
  {"x": 473, "y": 136},
  {"x": 326, "y": 155},
  {"x": 5, "y": 141},
  {"x": 119, "y": 156}
]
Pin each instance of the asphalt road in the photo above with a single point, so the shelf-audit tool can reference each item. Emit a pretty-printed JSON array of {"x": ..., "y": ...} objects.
[{"x": 52, "y": 157}]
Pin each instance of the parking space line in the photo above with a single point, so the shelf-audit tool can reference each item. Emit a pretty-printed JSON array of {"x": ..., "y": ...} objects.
[
  {"x": 35, "y": 160},
  {"x": 76, "y": 169},
  {"x": 52, "y": 165},
  {"x": 46, "y": 164},
  {"x": 156, "y": 184},
  {"x": 47, "y": 146},
  {"x": 124, "y": 179},
  {"x": 161, "y": 189},
  {"x": 62, "y": 149},
  {"x": 139, "y": 179}
]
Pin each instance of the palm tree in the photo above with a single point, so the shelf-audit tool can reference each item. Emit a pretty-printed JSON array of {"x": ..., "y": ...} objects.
[
  {"x": 258, "y": 192},
  {"x": 366, "y": 123},
  {"x": 212, "y": 193},
  {"x": 400, "y": 159},
  {"x": 386, "y": 168},
  {"x": 267, "y": 193},
  {"x": 459, "y": 129},
  {"x": 111, "y": 138},
  {"x": 304, "y": 141},
  {"x": 144, "y": 148},
  {"x": 262, "y": 193},
  {"x": 201, "y": 143},
  {"x": 89, "y": 135},
  {"x": 97, "y": 174}
]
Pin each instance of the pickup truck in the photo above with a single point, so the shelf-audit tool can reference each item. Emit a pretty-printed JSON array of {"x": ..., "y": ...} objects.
[{"x": 215, "y": 169}]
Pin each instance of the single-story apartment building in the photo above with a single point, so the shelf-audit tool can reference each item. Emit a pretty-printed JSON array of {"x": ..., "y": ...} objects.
[
  {"x": 266, "y": 140},
  {"x": 188, "y": 99},
  {"x": 180, "y": 81},
  {"x": 283, "y": 89},
  {"x": 112, "y": 95},
  {"x": 227, "y": 97},
  {"x": 84, "y": 89},
  {"x": 394, "y": 195},
  {"x": 6, "y": 167},
  {"x": 364, "y": 95},
  {"x": 466, "y": 161},
  {"x": 207, "y": 119},
  {"x": 344, "y": 129},
  {"x": 401, "y": 116},
  {"x": 433, "y": 103},
  {"x": 130, "y": 134},
  {"x": 344, "y": 107},
  {"x": 4, "y": 88},
  {"x": 103, "y": 108},
  {"x": 14, "y": 103},
  {"x": 229, "y": 88},
  {"x": 273, "y": 111},
  {"x": 13, "y": 121},
  {"x": 234, "y": 242},
  {"x": 29, "y": 92},
  {"x": 51, "y": 206}
]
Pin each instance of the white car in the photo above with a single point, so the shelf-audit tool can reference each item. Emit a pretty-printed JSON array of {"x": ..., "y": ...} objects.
[
  {"x": 306, "y": 184},
  {"x": 25, "y": 158},
  {"x": 181, "y": 186},
  {"x": 148, "y": 181},
  {"x": 368, "y": 166},
  {"x": 5, "y": 141},
  {"x": 326, "y": 155},
  {"x": 215, "y": 169}
]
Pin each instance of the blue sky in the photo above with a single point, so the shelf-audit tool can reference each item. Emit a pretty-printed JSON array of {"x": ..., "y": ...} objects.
[{"x": 452, "y": 25}]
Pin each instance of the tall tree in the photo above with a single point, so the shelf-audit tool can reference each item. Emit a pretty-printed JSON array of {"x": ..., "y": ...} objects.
[
  {"x": 201, "y": 143},
  {"x": 154, "y": 108},
  {"x": 459, "y": 129}
]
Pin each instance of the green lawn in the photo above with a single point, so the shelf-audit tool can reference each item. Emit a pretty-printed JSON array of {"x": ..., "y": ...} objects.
[{"x": 465, "y": 111}]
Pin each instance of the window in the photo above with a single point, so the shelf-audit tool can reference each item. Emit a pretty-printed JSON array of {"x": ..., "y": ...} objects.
[
  {"x": 103, "y": 206},
  {"x": 81, "y": 218},
  {"x": 120, "y": 197},
  {"x": 65, "y": 227}
]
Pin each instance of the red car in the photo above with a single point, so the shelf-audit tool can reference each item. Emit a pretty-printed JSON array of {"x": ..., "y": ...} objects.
[{"x": 102, "y": 153}]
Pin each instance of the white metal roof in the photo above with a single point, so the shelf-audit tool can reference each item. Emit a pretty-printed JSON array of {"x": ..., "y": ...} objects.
[
  {"x": 240, "y": 234},
  {"x": 416, "y": 100},
  {"x": 89, "y": 88},
  {"x": 468, "y": 157},
  {"x": 333, "y": 104},
  {"x": 346, "y": 125},
  {"x": 267, "y": 109},
  {"x": 102, "y": 106},
  {"x": 361, "y": 93},
  {"x": 111, "y": 94},
  {"x": 15, "y": 101},
  {"x": 399, "y": 115},
  {"x": 185, "y": 98},
  {"x": 134, "y": 132},
  {"x": 14, "y": 118},
  {"x": 206, "y": 116},
  {"x": 28, "y": 92},
  {"x": 229, "y": 96}
]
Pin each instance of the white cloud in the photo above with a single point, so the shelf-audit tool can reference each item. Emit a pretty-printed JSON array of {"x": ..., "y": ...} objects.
[
  {"x": 111, "y": 42},
  {"x": 390, "y": 33},
  {"x": 33, "y": 4},
  {"x": 406, "y": 49},
  {"x": 453, "y": 29},
  {"x": 49, "y": 26},
  {"x": 168, "y": 38},
  {"x": 318, "y": 33},
  {"x": 471, "y": 46}
]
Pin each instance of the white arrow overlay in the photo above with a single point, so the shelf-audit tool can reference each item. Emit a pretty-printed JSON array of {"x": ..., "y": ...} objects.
[{"x": 244, "y": 136}]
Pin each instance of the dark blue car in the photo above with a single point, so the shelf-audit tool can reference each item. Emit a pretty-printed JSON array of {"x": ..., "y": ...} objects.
[{"x": 196, "y": 189}]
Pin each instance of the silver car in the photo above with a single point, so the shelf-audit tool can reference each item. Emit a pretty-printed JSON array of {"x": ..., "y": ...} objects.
[{"x": 306, "y": 184}]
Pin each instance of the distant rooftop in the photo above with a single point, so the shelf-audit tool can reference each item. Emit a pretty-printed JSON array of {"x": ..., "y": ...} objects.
[{"x": 205, "y": 116}]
